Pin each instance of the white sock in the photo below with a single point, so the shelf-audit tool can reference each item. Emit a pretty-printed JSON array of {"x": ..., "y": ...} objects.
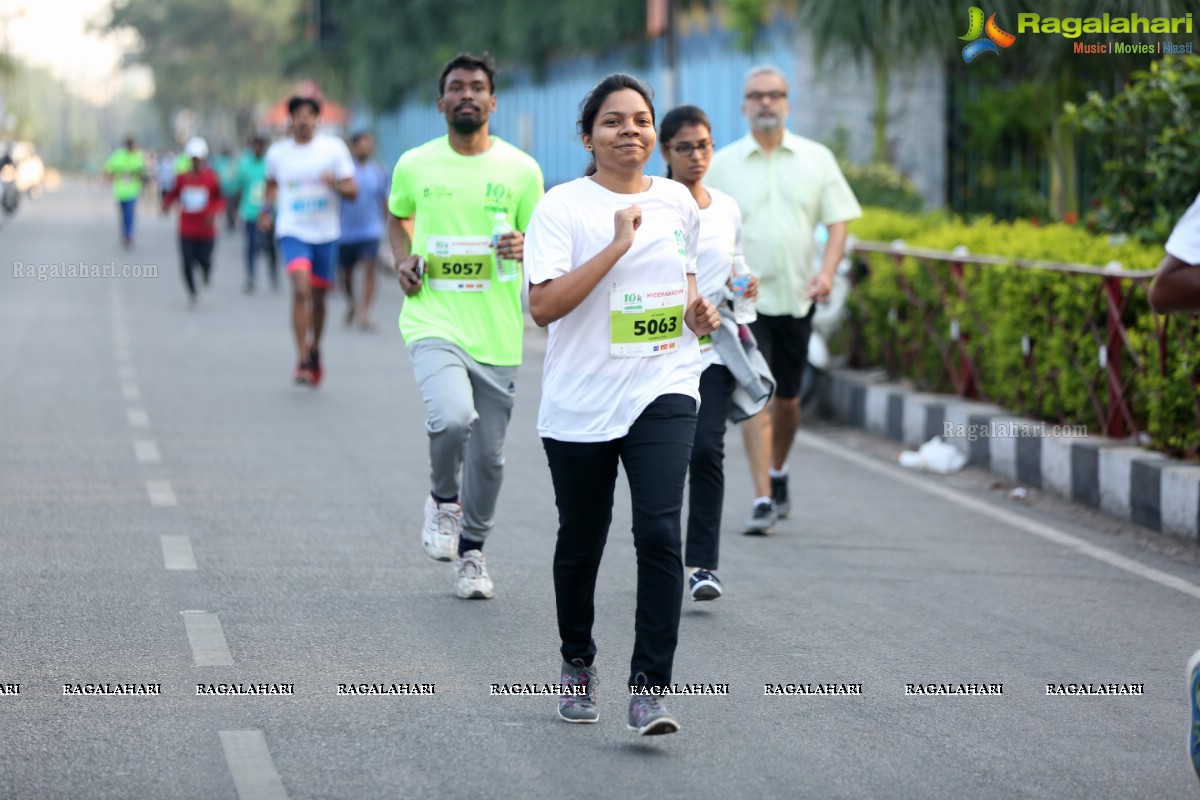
[{"x": 778, "y": 473}]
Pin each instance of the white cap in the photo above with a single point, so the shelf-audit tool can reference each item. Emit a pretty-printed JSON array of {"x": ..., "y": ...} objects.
[{"x": 196, "y": 147}]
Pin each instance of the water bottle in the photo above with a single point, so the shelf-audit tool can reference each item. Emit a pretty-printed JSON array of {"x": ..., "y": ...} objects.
[
  {"x": 743, "y": 307},
  {"x": 507, "y": 268}
]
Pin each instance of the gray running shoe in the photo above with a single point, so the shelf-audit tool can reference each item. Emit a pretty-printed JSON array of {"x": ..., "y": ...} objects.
[
  {"x": 471, "y": 579},
  {"x": 779, "y": 493},
  {"x": 649, "y": 717},
  {"x": 579, "y": 707},
  {"x": 762, "y": 518}
]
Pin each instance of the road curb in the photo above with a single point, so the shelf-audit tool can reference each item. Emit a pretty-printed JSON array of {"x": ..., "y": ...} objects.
[{"x": 1112, "y": 475}]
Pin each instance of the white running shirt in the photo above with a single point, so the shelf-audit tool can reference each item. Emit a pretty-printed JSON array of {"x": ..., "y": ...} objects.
[
  {"x": 588, "y": 393},
  {"x": 1184, "y": 242},
  {"x": 306, "y": 207},
  {"x": 720, "y": 241}
]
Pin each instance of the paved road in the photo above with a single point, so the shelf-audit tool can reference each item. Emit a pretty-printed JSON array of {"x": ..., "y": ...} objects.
[{"x": 173, "y": 511}]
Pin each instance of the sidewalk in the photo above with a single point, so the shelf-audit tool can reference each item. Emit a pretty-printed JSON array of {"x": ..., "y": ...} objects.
[{"x": 1113, "y": 475}]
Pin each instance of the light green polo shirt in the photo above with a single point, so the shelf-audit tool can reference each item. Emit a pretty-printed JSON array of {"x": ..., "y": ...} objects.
[
  {"x": 453, "y": 200},
  {"x": 782, "y": 197}
]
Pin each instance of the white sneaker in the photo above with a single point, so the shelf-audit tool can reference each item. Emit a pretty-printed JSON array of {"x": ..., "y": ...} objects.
[
  {"x": 443, "y": 524},
  {"x": 471, "y": 580}
]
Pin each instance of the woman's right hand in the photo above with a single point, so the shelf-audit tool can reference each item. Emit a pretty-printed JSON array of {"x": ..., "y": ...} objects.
[{"x": 626, "y": 222}]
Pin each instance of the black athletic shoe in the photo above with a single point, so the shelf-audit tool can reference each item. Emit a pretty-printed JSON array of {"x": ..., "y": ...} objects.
[{"x": 779, "y": 493}]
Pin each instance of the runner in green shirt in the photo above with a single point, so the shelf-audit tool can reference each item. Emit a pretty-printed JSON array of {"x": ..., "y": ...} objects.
[
  {"x": 125, "y": 168},
  {"x": 462, "y": 320},
  {"x": 249, "y": 188}
]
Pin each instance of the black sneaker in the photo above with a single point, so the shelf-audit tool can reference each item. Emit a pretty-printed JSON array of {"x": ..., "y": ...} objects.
[
  {"x": 704, "y": 585},
  {"x": 762, "y": 518},
  {"x": 779, "y": 494}
]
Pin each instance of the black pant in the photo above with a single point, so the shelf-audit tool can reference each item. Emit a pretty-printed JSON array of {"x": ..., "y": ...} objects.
[
  {"x": 257, "y": 240},
  {"x": 706, "y": 484},
  {"x": 783, "y": 341},
  {"x": 196, "y": 253},
  {"x": 655, "y": 453}
]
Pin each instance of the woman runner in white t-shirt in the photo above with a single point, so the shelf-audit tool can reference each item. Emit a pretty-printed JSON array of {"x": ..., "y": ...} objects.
[
  {"x": 611, "y": 260},
  {"x": 686, "y": 140}
]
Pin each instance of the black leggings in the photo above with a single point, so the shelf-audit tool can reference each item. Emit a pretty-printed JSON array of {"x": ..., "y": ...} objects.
[
  {"x": 655, "y": 453},
  {"x": 706, "y": 481},
  {"x": 196, "y": 253}
]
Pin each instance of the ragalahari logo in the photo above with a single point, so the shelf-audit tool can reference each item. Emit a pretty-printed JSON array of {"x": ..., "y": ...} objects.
[{"x": 995, "y": 40}]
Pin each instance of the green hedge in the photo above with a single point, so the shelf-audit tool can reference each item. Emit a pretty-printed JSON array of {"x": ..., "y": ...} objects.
[{"x": 904, "y": 313}]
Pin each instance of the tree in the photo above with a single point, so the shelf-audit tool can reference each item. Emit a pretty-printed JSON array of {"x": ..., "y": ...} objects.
[
  {"x": 1064, "y": 76},
  {"x": 1150, "y": 144},
  {"x": 388, "y": 49},
  {"x": 210, "y": 55},
  {"x": 876, "y": 34}
]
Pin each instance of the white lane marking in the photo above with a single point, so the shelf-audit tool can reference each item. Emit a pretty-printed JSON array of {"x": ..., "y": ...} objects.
[
  {"x": 146, "y": 451},
  {"x": 1041, "y": 530},
  {"x": 254, "y": 774},
  {"x": 130, "y": 391},
  {"x": 204, "y": 633},
  {"x": 126, "y": 372},
  {"x": 122, "y": 354},
  {"x": 138, "y": 418},
  {"x": 161, "y": 493},
  {"x": 177, "y": 552}
]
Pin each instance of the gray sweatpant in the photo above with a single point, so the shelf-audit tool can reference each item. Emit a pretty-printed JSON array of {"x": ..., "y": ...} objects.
[{"x": 468, "y": 406}]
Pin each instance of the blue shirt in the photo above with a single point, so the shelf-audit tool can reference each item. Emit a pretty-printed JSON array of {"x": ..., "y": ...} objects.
[{"x": 362, "y": 218}]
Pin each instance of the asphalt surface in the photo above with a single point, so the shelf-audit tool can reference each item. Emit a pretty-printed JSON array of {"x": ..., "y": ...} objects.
[{"x": 292, "y": 555}]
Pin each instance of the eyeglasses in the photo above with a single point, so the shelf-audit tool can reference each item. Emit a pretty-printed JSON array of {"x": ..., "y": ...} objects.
[
  {"x": 773, "y": 95},
  {"x": 687, "y": 148}
]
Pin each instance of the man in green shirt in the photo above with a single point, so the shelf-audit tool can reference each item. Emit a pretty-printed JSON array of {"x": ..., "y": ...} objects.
[
  {"x": 462, "y": 320},
  {"x": 125, "y": 168},
  {"x": 248, "y": 188}
]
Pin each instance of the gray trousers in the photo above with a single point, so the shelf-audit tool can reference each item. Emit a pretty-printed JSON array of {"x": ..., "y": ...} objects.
[{"x": 468, "y": 406}]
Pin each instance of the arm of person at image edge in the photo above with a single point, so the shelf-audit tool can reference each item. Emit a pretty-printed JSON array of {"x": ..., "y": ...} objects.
[
  {"x": 1176, "y": 286},
  {"x": 553, "y": 299}
]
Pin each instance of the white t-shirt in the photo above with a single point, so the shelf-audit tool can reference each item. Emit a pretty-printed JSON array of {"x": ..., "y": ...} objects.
[
  {"x": 306, "y": 207},
  {"x": 588, "y": 393},
  {"x": 720, "y": 241},
  {"x": 1184, "y": 242}
]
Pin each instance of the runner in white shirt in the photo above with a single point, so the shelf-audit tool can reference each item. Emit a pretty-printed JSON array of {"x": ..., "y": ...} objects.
[
  {"x": 307, "y": 176},
  {"x": 687, "y": 145},
  {"x": 612, "y": 260}
]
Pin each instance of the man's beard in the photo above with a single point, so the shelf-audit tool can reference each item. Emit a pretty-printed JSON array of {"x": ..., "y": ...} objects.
[
  {"x": 767, "y": 124},
  {"x": 467, "y": 124}
]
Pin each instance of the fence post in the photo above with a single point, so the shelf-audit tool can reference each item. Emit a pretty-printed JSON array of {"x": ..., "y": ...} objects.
[
  {"x": 965, "y": 380},
  {"x": 1114, "y": 422}
]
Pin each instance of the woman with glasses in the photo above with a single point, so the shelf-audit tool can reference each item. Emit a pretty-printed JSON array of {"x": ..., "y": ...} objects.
[
  {"x": 686, "y": 140},
  {"x": 611, "y": 259}
]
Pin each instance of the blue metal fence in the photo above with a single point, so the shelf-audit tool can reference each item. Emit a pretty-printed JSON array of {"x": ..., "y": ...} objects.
[{"x": 540, "y": 116}]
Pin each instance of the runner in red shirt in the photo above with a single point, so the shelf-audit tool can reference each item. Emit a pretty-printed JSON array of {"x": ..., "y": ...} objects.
[{"x": 199, "y": 194}]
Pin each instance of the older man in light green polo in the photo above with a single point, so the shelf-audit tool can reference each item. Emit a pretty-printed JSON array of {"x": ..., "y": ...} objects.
[{"x": 785, "y": 185}]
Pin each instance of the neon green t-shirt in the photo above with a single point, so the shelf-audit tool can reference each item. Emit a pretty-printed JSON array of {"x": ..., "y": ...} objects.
[
  {"x": 466, "y": 296},
  {"x": 126, "y": 168}
]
